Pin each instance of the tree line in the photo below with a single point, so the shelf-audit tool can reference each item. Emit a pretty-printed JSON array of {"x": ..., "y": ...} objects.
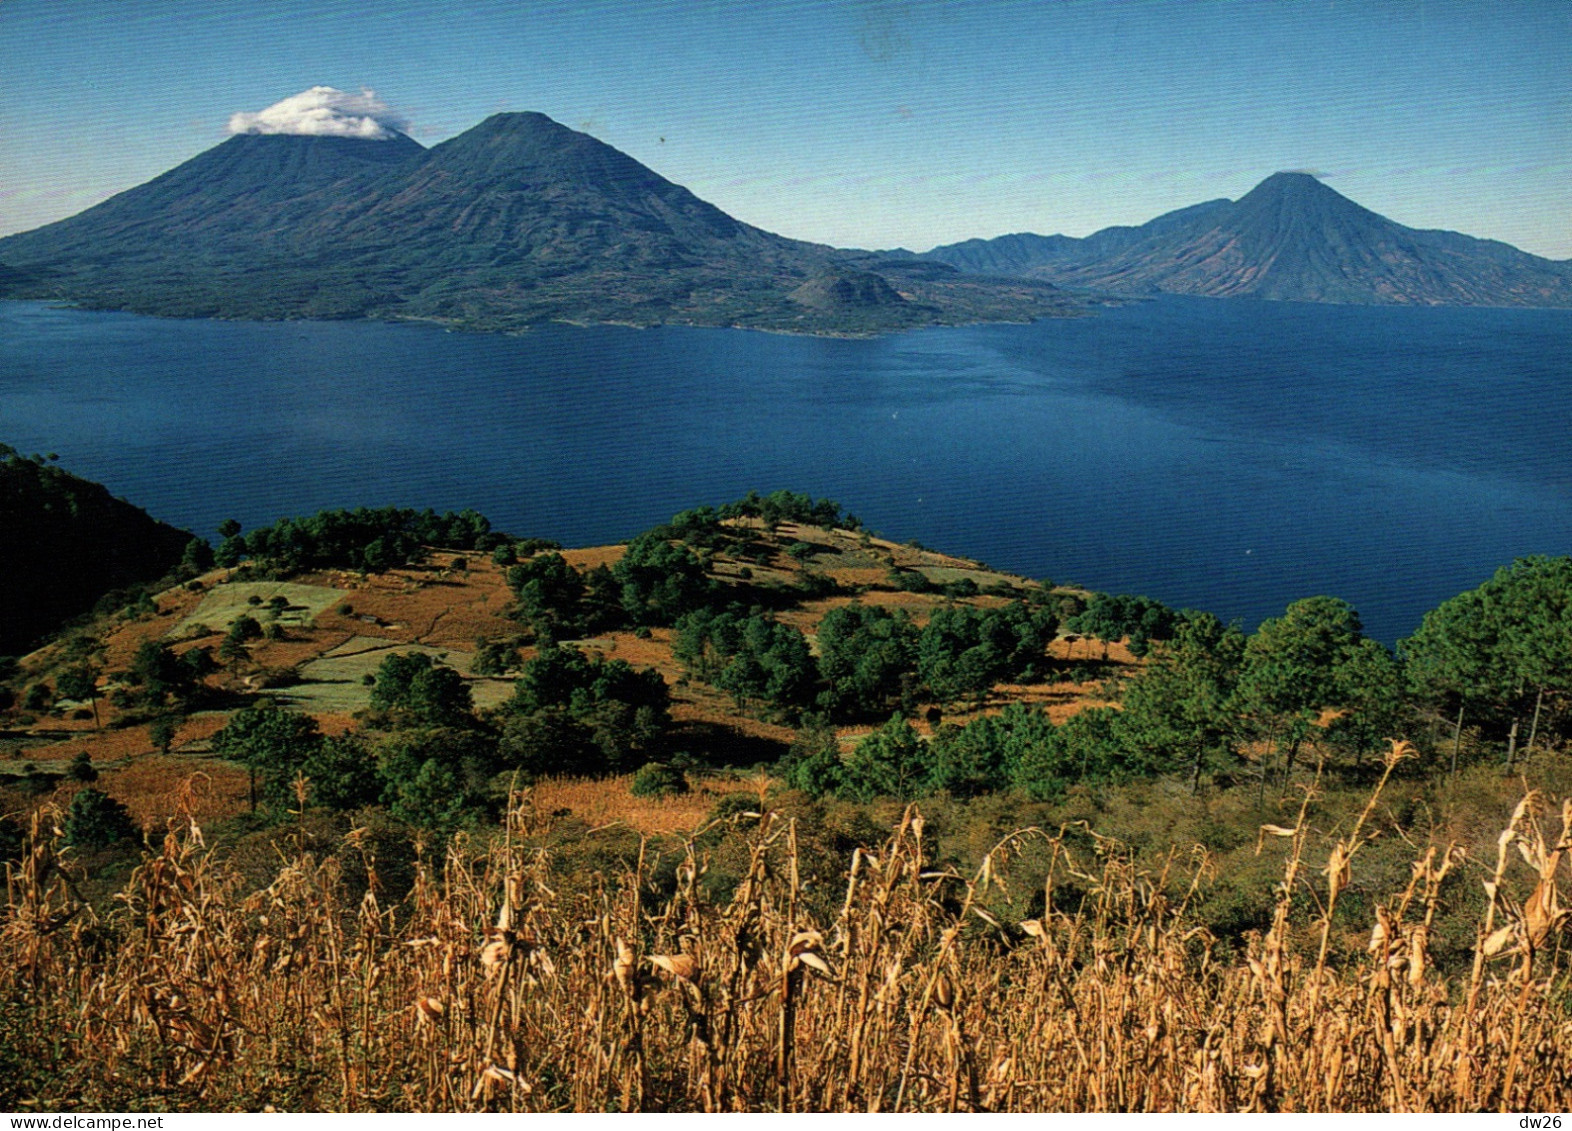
[
  {"x": 1499, "y": 657},
  {"x": 366, "y": 538}
]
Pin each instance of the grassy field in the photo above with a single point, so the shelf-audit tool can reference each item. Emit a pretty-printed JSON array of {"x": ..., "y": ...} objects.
[
  {"x": 227, "y": 603},
  {"x": 335, "y": 683}
]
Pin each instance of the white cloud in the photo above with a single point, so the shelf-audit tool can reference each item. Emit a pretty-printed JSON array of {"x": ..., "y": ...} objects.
[{"x": 324, "y": 111}]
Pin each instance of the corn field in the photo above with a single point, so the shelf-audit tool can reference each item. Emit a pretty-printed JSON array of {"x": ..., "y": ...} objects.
[{"x": 486, "y": 989}]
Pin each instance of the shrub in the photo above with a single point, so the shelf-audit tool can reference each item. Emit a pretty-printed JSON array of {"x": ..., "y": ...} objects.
[
  {"x": 97, "y": 820},
  {"x": 244, "y": 628},
  {"x": 425, "y": 690},
  {"x": 655, "y": 779},
  {"x": 161, "y": 732}
]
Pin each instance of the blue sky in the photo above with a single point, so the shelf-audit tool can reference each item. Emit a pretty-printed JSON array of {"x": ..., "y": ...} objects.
[{"x": 869, "y": 124}]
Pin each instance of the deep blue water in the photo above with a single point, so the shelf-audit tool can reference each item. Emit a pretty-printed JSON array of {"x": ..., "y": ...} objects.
[{"x": 1226, "y": 455}]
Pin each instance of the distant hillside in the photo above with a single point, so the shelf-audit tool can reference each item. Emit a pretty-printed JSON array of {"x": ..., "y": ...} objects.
[
  {"x": 517, "y": 220},
  {"x": 67, "y": 543},
  {"x": 1289, "y": 238},
  {"x": 1024, "y": 253}
]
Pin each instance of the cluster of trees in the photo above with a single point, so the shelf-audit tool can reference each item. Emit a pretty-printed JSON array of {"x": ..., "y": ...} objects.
[
  {"x": 870, "y": 658},
  {"x": 1499, "y": 655},
  {"x": 1111, "y": 617},
  {"x": 659, "y": 580},
  {"x": 557, "y": 602},
  {"x": 158, "y": 678},
  {"x": 867, "y": 659},
  {"x": 663, "y": 575},
  {"x": 430, "y": 759},
  {"x": 788, "y": 506},
  {"x": 748, "y": 654},
  {"x": 570, "y": 714},
  {"x": 654, "y": 583},
  {"x": 363, "y": 539},
  {"x": 158, "y": 684},
  {"x": 281, "y": 748},
  {"x": 1016, "y": 749},
  {"x": 707, "y": 526}
]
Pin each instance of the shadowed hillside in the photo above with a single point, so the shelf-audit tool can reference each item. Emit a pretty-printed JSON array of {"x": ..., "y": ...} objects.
[{"x": 66, "y": 543}]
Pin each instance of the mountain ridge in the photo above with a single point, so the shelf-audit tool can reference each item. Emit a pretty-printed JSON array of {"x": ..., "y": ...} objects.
[
  {"x": 1291, "y": 238},
  {"x": 515, "y": 221}
]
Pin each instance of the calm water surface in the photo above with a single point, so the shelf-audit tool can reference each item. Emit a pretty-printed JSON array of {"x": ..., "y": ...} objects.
[{"x": 1226, "y": 455}]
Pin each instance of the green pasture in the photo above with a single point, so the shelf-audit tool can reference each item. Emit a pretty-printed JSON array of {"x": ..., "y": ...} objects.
[
  {"x": 334, "y": 683},
  {"x": 227, "y": 603}
]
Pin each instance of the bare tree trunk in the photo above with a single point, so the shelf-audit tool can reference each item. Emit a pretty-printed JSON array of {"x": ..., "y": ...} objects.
[
  {"x": 1266, "y": 757},
  {"x": 1533, "y": 729},
  {"x": 1511, "y": 747},
  {"x": 1457, "y": 738},
  {"x": 1288, "y": 764}
]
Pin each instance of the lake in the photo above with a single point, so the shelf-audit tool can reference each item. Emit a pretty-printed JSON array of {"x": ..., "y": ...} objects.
[{"x": 1228, "y": 455}]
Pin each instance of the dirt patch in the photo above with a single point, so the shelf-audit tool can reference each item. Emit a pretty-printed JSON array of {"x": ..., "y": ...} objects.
[
  {"x": 653, "y": 651},
  {"x": 433, "y": 604},
  {"x": 121, "y": 743},
  {"x": 592, "y": 557}
]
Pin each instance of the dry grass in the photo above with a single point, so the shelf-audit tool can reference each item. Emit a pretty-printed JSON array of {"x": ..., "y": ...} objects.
[
  {"x": 493, "y": 986},
  {"x": 604, "y": 802}
]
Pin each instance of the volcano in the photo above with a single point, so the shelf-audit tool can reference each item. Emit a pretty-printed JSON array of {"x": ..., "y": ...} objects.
[
  {"x": 1290, "y": 238},
  {"x": 516, "y": 221}
]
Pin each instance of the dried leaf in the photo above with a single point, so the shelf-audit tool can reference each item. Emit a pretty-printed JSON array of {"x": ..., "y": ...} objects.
[
  {"x": 1498, "y": 940},
  {"x": 813, "y": 961},
  {"x": 1378, "y": 937},
  {"x": 623, "y": 968},
  {"x": 683, "y": 967}
]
